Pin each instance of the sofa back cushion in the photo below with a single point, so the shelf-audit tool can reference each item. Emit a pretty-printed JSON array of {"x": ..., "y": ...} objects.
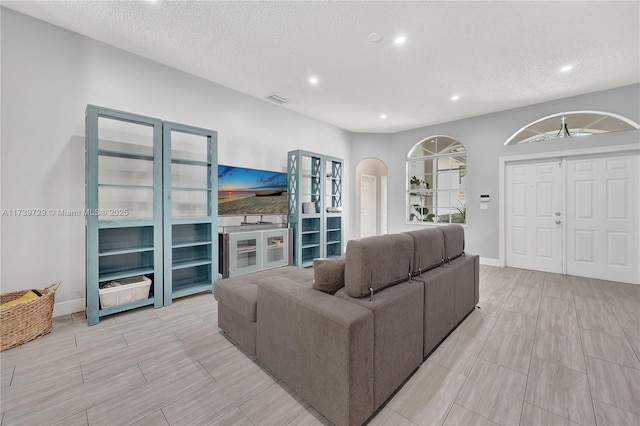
[
  {"x": 428, "y": 249},
  {"x": 328, "y": 274},
  {"x": 377, "y": 262},
  {"x": 453, "y": 241}
]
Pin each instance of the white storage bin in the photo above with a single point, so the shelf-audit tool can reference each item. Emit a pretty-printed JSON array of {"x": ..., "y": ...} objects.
[{"x": 131, "y": 290}]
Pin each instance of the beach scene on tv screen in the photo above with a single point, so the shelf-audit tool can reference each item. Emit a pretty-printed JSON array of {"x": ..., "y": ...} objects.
[{"x": 243, "y": 191}]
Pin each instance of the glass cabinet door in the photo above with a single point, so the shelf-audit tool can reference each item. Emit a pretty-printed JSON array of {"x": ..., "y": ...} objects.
[
  {"x": 276, "y": 248},
  {"x": 245, "y": 254}
]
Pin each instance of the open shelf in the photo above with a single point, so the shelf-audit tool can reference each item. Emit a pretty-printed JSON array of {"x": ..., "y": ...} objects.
[
  {"x": 124, "y": 273},
  {"x": 119, "y": 224},
  {"x": 194, "y": 276},
  {"x": 191, "y": 263},
  {"x": 124, "y": 154},
  {"x": 191, "y": 233},
  {"x": 334, "y": 236},
  {"x": 189, "y": 162},
  {"x": 178, "y": 188},
  {"x": 190, "y": 256},
  {"x": 310, "y": 253},
  {"x": 135, "y": 238},
  {"x": 192, "y": 244},
  {"x": 114, "y": 252},
  {"x": 123, "y": 185}
]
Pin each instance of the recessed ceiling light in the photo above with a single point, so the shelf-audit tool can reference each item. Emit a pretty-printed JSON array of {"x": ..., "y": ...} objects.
[
  {"x": 455, "y": 97},
  {"x": 566, "y": 68},
  {"x": 400, "y": 39},
  {"x": 383, "y": 116},
  {"x": 313, "y": 80},
  {"x": 374, "y": 37}
]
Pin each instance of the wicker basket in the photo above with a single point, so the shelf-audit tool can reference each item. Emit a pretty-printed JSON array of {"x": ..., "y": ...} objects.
[{"x": 26, "y": 321}]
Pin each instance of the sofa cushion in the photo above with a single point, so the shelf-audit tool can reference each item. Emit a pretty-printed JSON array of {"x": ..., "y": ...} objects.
[
  {"x": 428, "y": 249},
  {"x": 295, "y": 273},
  {"x": 328, "y": 274},
  {"x": 439, "y": 305},
  {"x": 453, "y": 241},
  {"x": 240, "y": 293},
  {"x": 398, "y": 334},
  {"x": 377, "y": 262},
  {"x": 319, "y": 345},
  {"x": 238, "y": 296},
  {"x": 465, "y": 281}
]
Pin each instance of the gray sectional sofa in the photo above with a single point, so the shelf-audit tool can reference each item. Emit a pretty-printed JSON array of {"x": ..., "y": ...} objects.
[{"x": 348, "y": 348}]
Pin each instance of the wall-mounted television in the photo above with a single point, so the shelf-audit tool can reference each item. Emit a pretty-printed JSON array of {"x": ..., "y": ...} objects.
[{"x": 243, "y": 191}]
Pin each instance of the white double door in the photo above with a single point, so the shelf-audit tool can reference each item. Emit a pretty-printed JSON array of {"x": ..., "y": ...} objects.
[{"x": 578, "y": 216}]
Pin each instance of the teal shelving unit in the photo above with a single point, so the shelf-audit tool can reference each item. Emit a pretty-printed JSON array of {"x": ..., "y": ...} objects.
[
  {"x": 124, "y": 205},
  {"x": 315, "y": 205},
  {"x": 190, "y": 210},
  {"x": 151, "y": 191}
]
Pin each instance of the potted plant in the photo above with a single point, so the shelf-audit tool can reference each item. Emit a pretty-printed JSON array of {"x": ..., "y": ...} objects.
[
  {"x": 421, "y": 214},
  {"x": 414, "y": 182}
]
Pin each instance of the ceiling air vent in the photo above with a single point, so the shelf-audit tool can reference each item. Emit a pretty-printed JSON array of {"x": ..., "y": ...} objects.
[{"x": 277, "y": 99}]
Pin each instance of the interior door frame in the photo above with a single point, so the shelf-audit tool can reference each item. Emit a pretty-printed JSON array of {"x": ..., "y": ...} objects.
[
  {"x": 384, "y": 225},
  {"x": 552, "y": 155},
  {"x": 376, "y": 204}
]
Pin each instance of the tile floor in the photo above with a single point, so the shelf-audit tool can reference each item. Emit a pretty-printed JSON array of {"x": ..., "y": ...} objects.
[{"x": 544, "y": 349}]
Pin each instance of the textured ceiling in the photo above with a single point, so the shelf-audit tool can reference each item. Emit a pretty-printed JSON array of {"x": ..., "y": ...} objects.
[{"x": 494, "y": 55}]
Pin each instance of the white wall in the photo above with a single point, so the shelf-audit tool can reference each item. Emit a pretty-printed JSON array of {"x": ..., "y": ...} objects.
[
  {"x": 484, "y": 138},
  {"x": 49, "y": 75}
]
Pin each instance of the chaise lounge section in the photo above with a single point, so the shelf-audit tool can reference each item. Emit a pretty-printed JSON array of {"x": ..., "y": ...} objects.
[{"x": 237, "y": 297}]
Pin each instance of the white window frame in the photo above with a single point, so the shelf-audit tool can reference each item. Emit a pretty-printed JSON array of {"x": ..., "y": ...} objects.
[
  {"x": 569, "y": 113},
  {"x": 435, "y": 192}
]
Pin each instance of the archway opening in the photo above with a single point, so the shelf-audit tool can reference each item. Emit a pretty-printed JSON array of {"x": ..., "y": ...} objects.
[{"x": 371, "y": 197}]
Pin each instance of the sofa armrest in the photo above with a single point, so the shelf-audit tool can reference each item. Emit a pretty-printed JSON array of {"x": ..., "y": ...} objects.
[{"x": 319, "y": 345}]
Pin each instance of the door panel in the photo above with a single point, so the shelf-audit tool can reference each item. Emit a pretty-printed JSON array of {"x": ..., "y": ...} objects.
[
  {"x": 602, "y": 218},
  {"x": 368, "y": 202},
  {"x": 584, "y": 243},
  {"x": 584, "y": 204},
  {"x": 544, "y": 243},
  {"x": 383, "y": 204},
  {"x": 534, "y": 196}
]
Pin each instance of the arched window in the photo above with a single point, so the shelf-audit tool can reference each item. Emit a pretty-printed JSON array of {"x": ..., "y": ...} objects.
[
  {"x": 571, "y": 124},
  {"x": 436, "y": 181}
]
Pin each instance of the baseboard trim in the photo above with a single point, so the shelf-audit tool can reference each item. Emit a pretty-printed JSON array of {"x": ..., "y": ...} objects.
[
  {"x": 489, "y": 261},
  {"x": 69, "y": 307}
]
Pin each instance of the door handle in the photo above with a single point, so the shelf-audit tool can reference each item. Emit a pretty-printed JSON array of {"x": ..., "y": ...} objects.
[{"x": 558, "y": 222}]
